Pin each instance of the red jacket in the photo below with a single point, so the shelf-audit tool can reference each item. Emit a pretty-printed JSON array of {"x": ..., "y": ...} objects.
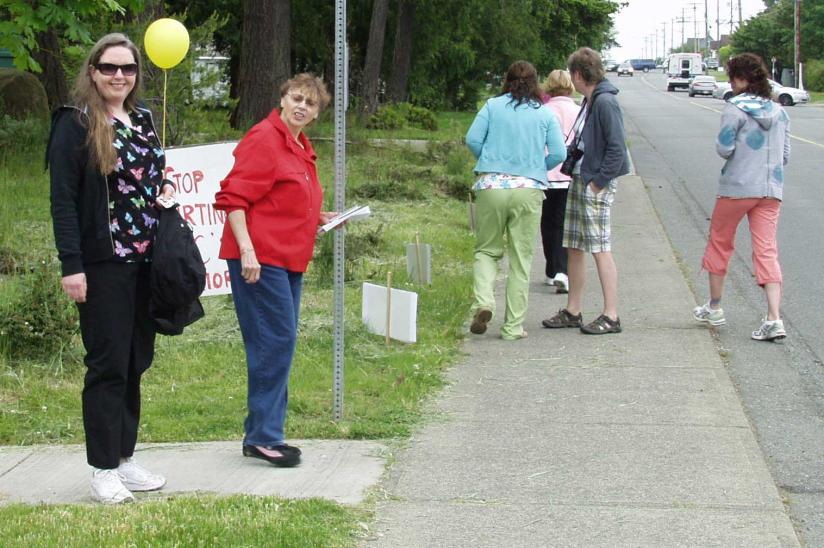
[{"x": 275, "y": 182}]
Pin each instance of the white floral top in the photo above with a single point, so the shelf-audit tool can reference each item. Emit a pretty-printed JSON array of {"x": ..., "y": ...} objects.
[{"x": 498, "y": 181}]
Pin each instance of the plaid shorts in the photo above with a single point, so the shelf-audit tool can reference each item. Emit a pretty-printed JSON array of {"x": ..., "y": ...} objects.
[{"x": 587, "y": 217}]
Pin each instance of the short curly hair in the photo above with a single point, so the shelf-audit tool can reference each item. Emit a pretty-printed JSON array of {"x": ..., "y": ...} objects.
[
  {"x": 311, "y": 85},
  {"x": 750, "y": 67}
]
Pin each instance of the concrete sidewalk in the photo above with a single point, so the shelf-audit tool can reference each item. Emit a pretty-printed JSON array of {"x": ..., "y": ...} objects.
[
  {"x": 564, "y": 439},
  {"x": 339, "y": 470}
]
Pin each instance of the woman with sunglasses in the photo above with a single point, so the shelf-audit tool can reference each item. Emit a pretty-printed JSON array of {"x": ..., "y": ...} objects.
[
  {"x": 272, "y": 197},
  {"x": 106, "y": 168}
]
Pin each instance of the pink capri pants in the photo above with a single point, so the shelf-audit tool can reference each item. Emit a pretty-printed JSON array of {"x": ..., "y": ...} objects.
[{"x": 762, "y": 214}]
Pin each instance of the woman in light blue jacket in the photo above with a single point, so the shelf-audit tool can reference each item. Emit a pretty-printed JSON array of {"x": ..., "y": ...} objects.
[{"x": 509, "y": 137}]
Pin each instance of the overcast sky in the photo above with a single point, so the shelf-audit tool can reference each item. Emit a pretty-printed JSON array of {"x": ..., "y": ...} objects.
[{"x": 643, "y": 18}]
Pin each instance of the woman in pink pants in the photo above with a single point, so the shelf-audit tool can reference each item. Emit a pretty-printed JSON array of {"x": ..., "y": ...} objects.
[{"x": 754, "y": 140}]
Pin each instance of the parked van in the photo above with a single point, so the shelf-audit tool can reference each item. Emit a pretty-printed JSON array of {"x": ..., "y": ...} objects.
[{"x": 681, "y": 68}]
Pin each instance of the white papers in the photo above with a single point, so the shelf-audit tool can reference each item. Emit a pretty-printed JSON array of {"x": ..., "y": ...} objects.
[
  {"x": 354, "y": 213},
  {"x": 402, "y": 316}
]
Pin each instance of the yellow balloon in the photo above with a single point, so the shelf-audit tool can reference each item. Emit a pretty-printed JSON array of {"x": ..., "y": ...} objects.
[{"x": 166, "y": 42}]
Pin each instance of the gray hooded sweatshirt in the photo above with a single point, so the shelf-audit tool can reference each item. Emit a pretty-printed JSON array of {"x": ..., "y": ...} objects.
[{"x": 755, "y": 141}]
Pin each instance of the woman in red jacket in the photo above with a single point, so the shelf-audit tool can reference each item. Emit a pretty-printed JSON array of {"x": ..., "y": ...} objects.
[{"x": 272, "y": 198}]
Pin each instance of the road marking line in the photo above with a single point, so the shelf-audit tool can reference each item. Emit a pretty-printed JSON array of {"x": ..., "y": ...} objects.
[
  {"x": 705, "y": 107},
  {"x": 667, "y": 94},
  {"x": 803, "y": 140}
]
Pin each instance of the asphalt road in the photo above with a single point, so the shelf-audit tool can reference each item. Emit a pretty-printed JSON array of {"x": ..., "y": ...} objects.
[{"x": 672, "y": 142}]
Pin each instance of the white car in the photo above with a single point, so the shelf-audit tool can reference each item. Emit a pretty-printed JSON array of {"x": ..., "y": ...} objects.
[
  {"x": 625, "y": 69},
  {"x": 785, "y": 95},
  {"x": 701, "y": 85}
]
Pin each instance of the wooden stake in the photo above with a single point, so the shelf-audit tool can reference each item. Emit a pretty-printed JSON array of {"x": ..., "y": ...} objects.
[
  {"x": 388, "y": 306},
  {"x": 471, "y": 214},
  {"x": 418, "y": 254}
]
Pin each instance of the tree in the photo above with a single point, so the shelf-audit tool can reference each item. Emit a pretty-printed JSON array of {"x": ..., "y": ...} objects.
[
  {"x": 768, "y": 34},
  {"x": 32, "y": 31},
  {"x": 374, "y": 54},
  {"x": 402, "y": 52},
  {"x": 265, "y": 23},
  {"x": 49, "y": 56}
]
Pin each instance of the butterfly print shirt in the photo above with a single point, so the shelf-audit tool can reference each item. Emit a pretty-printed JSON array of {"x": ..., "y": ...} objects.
[{"x": 133, "y": 187}]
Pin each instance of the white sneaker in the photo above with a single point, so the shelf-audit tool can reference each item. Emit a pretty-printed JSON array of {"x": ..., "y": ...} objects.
[
  {"x": 707, "y": 314},
  {"x": 107, "y": 487},
  {"x": 770, "y": 331},
  {"x": 137, "y": 478},
  {"x": 549, "y": 281},
  {"x": 561, "y": 283}
]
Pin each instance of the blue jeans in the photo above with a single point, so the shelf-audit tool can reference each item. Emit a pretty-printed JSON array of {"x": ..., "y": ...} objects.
[{"x": 267, "y": 312}]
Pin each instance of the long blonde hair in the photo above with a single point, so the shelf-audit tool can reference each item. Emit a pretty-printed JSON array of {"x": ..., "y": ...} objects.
[{"x": 87, "y": 97}]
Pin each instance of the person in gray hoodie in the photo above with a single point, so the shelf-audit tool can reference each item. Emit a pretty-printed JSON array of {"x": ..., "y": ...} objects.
[
  {"x": 754, "y": 141},
  {"x": 602, "y": 157}
]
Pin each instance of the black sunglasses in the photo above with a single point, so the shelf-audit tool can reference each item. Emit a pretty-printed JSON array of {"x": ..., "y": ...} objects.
[{"x": 110, "y": 69}]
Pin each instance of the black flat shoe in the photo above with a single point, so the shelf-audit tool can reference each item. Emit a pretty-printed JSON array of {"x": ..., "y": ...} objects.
[{"x": 279, "y": 455}]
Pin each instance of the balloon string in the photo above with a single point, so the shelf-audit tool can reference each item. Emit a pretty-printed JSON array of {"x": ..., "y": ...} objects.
[{"x": 163, "y": 141}]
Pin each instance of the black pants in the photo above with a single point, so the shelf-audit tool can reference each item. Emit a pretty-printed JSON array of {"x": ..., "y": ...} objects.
[
  {"x": 552, "y": 231},
  {"x": 119, "y": 336}
]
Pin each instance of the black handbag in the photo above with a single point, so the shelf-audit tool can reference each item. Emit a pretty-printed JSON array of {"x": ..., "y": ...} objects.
[{"x": 178, "y": 275}]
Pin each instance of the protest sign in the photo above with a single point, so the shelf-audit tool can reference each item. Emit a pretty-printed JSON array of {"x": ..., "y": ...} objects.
[{"x": 196, "y": 172}]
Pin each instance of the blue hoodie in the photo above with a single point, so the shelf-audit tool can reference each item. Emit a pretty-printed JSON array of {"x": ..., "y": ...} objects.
[
  {"x": 755, "y": 141},
  {"x": 509, "y": 139}
]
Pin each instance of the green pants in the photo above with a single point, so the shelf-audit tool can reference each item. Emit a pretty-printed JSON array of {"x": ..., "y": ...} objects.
[{"x": 506, "y": 217}]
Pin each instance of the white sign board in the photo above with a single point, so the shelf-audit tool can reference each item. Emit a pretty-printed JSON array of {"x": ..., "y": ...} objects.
[
  {"x": 196, "y": 172},
  {"x": 402, "y": 316}
]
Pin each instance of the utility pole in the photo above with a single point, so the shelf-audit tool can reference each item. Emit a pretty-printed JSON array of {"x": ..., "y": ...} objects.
[
  {"x": 797, "y": 42},
  {"x": 706, "y": 31},
  {"x": 664, "y": 40},
  {"x": 731, "y": 17},
  {"x": 683, "y": 42},
  {"x": 739, "y": 13},
  {"x": 694, "y": 26},
  {"x": 718, "y": 21},
  {"x": 656, "y": 44},
  {"x": 672, "y": 34}
]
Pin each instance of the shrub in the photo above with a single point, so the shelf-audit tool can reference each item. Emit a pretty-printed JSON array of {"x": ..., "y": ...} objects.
[
  {"x": 22, "y": 95},
  {"x": 400, "y": 115},
  {"x": 39, "y": 321},
  {"x": 814, "y": 75},
  {"x": 387, "y": 117},
  {"x": 419, "y": 117}
]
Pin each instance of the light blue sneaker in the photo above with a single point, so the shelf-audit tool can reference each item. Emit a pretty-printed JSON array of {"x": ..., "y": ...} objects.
[{"x": 712, "y": 316}]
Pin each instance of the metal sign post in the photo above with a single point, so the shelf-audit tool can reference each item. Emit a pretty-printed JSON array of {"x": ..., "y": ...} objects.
[{"x": 340, "y": 201}]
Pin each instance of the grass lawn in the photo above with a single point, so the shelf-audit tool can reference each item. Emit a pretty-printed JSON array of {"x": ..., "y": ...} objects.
[
  {"x": 816, "y": 96},
  {"x": 196, "y": 388}
]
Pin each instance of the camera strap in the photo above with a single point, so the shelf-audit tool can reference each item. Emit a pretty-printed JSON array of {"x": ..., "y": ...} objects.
[{"x": 578, "y": 125}]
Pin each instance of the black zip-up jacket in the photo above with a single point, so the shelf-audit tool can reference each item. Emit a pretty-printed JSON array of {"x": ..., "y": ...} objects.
[{"x": 79, "y": 192}]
